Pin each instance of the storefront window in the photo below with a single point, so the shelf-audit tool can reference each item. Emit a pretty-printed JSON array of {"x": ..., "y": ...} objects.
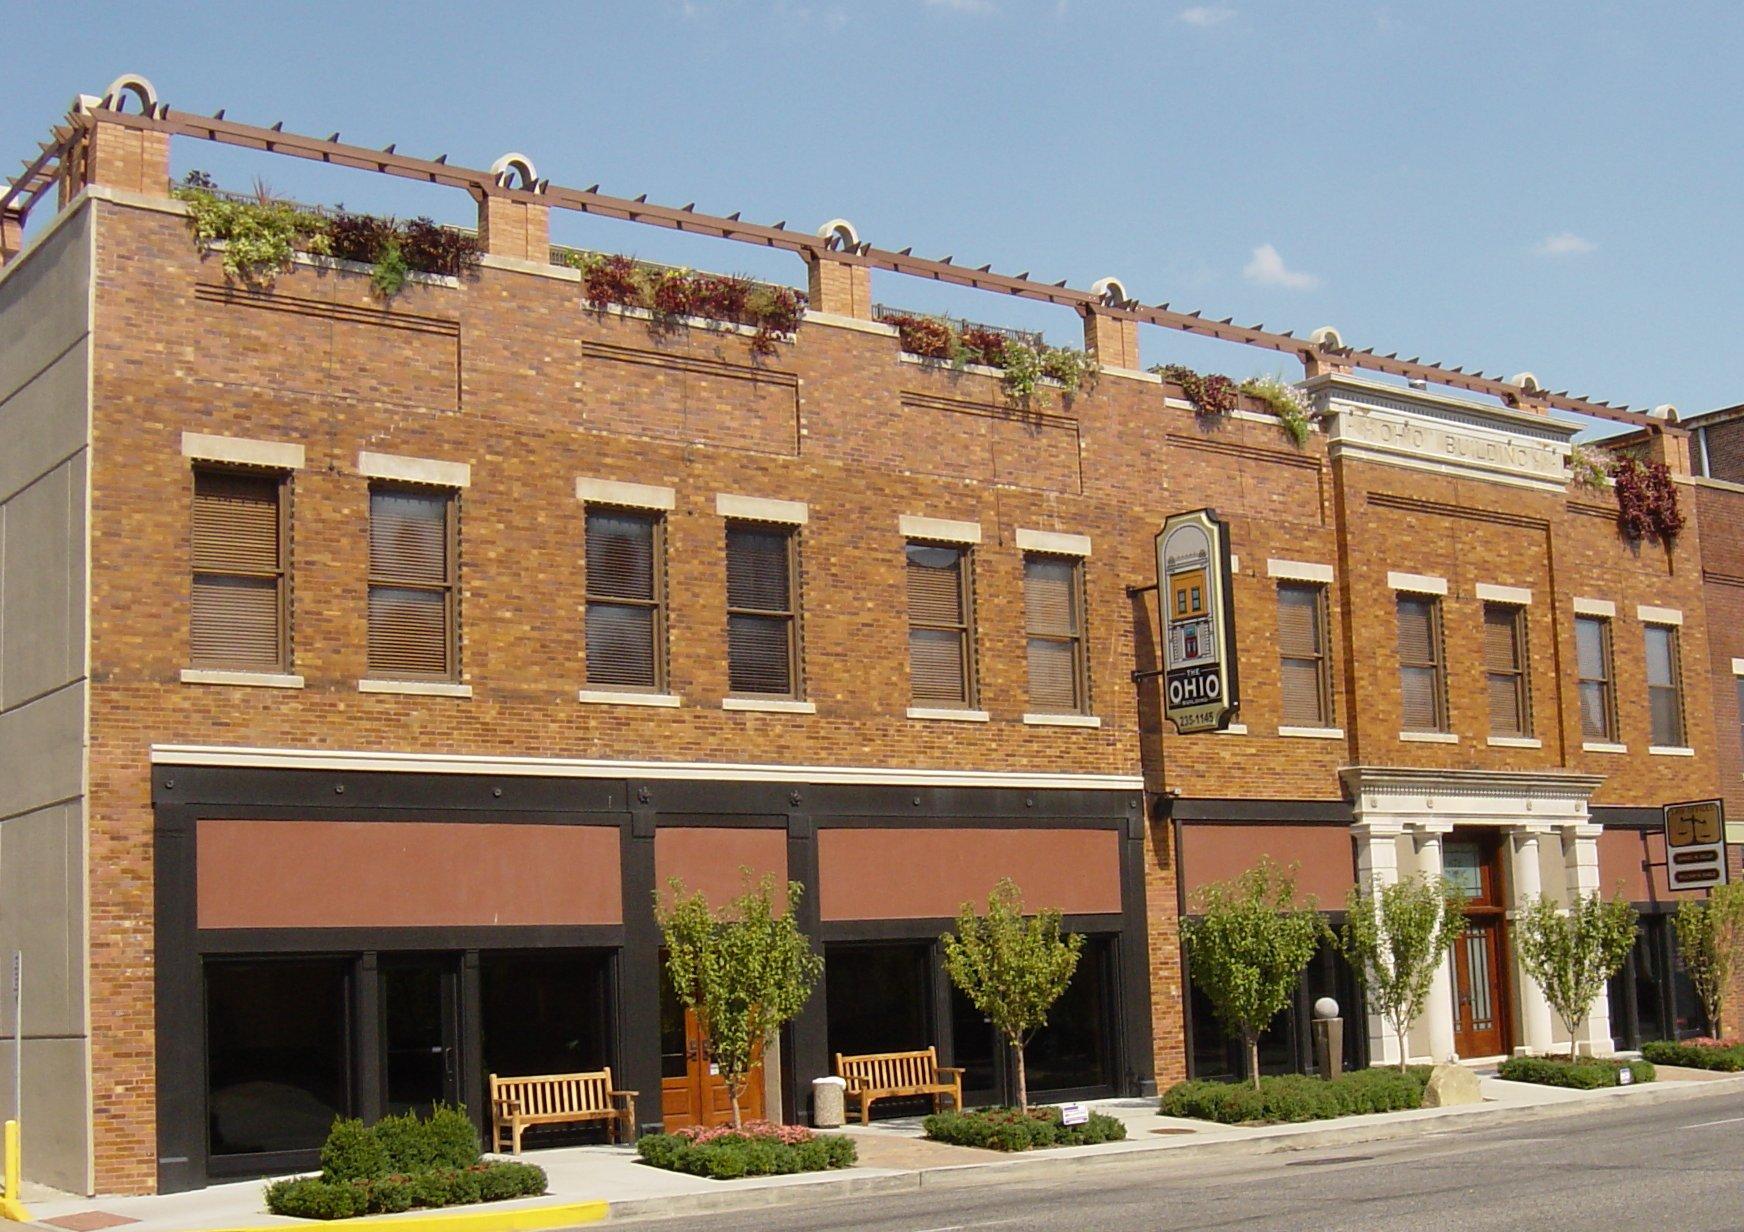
[
  {"x": 1073, "y": 1050},
  {"x": 279, "y": 1056},
  {"x": 544, "y": 1013},
  {"x": 879, "y": 997}
]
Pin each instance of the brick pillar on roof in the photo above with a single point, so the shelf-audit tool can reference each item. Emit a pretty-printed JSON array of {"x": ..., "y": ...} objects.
[
  {"x": 1113, "y": 340},
  {"x": 11, "y": 237},
  {"x": 838, "y": 287},
  {"x": 135, "y": 160},
  {"x": 1671, "y": 448},
  {"x": 510, "y": 226}
]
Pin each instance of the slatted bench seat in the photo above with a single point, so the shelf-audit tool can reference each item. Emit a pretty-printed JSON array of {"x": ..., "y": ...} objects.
[
  {"x": 885, "y": 1075},
  {"x": 558, "y": 1099}
]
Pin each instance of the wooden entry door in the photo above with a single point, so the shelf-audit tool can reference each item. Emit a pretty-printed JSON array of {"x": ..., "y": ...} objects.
[
  {"x": 1477, "y": 989},
  {"x": 690, "y": 1092}
]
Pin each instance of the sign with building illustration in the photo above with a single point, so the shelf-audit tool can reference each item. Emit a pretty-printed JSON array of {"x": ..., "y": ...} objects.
[
  {"x": 1695, "y": 844},
  {"x": 1194, "y": 597}
]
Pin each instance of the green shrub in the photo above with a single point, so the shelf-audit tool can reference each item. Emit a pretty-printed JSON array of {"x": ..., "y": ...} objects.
[
  {"x": 413, "y": 1143},
  {"x": 352, "y": 1152},
  {"x": 728, "y": 1155},
  {"x": 1582, "y": 1073},
  {"x": 1297, "y": 1097},
  {"x": 310, "y": 1197},
  {"x": 1693, "y": 1054},
  {"x": 1009, "y": 1129}
]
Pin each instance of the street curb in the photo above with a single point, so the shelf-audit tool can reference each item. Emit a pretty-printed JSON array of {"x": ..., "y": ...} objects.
[
  {"x": 1274, "y": 1140},
  {"x": 549, "y": 1218}
]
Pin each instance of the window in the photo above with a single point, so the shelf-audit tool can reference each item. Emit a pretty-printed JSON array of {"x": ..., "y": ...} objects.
[
  {"x": 1053, "y": 604},
  {"x": 412, "y": 623},
  {"x": 1422, "y": 683},
  {"x": 1598, "y": 701},
  {"x": 1664, "y": 692},
  {"x": 1505, "y": 669},
  {"x": 941, "y": 649},
  {"x": 626, "y": 599},
  {"x": 762, "y": 631},
  {"x": 236, "y": 617},
  {"x": 1304, "y": 664}
]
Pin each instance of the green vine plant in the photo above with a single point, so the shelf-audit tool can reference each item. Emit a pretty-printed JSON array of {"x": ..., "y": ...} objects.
[
  {"x": 1285, "y": 401},
  {"x": 1024, "y": 367},
  {"x": 261, "y": 238}
]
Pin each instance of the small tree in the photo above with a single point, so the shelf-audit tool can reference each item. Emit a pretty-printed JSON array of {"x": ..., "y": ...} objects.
[
  {"x": 744, "y": 971},
  {"x": 1710, "y": 937},
  {"x": 1247, "y": 947},
  {"x": 1012, "y": 967},
  {"x": 1396, "y": 937},
  {"x": 1570, "y": 952}
]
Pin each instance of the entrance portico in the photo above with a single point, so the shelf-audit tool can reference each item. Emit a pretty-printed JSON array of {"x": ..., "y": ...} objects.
[{"x": 1505, "y": 837}]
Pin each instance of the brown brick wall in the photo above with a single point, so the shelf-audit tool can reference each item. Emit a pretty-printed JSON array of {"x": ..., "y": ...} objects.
[{"x": 512, "y": 375}]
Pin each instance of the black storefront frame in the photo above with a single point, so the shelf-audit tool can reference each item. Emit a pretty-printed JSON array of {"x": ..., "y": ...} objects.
[{"x": 183, "y": 795}]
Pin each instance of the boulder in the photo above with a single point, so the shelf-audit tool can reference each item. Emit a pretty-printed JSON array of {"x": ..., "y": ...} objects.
[{"x": 1451, "y": 1084}]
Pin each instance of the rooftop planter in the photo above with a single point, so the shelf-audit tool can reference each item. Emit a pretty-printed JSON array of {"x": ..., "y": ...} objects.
[
  {"x": 1214, "y": 395},
  {"x": 1022, "y": 360},
  {"x": 1647, "y": 506},
  {"x": 262, "y": 237},
  {"x": 671, "y": 296}
]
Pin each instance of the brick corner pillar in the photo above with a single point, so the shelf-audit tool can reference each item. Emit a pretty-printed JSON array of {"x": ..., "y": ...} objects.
[
  {"x": 1670, "y": 445},
  {"x": 11, "y": 237},
  {"x": 1112, "y": 339},
  {"x": 836, "y": 286},
  {"x": 510, "y": 222},
  {"x": 135, "y": 160}
]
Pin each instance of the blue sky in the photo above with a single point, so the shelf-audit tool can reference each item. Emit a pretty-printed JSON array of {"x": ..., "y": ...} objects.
[{"x": 1552, "y": 187}]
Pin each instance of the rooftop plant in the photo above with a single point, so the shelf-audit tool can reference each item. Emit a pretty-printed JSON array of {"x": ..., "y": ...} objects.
[
  {"x": 672, "y": 294},
  {"x": 1589, "y": 467},
  {"x": 1023, "y": 365},
  {"x": 1210, "y": 395},
  {"x": 1285, "y": 401},
  {"x": 1647, "y": 505}
]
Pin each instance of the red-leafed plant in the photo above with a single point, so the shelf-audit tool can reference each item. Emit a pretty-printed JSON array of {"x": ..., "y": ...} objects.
[
  {"x": 672, "y": 294},
  {"x": 1215, "y": 394},
  {"x": 925, "y": 336},
  {"x": 984, "y": 346},
  {"x": 611, "y": 280},
  {"x": 1647, "y": 506}
]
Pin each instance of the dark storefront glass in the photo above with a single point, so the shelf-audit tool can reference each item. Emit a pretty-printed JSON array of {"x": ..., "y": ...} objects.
[
  {"x": 1073, "y": 1051},
  {"x": 879, "y": 997},
  {"x": 544, "y": 1013},
  {"x": 1286, "y": 1045},
  {"x": 278, "y": 1049},
  {"x": 975, "y": 1047}
]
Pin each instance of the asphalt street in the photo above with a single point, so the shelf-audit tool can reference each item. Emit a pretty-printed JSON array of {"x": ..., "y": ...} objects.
[{"x": 1674, "y": 1167}]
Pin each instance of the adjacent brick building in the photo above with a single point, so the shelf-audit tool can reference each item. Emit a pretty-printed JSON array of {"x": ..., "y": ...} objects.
[{"x": 350, "y": 868}]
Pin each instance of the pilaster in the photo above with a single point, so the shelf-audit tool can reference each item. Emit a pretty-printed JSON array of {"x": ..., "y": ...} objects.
[
  {"x": 1536, "y": 1025},
  {"x": 1438, "y": 1010}
]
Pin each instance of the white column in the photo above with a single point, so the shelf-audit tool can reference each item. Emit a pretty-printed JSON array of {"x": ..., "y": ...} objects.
[
  {"x": 1377, "y": 864},
  {"x": 1535, "y": 1017},
  {"x": 1580, "y": 857},
  {"x": 1438, "y": 1012}
]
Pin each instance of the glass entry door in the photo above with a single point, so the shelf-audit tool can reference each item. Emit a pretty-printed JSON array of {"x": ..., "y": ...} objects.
[{"x": 420, "y": 1032}]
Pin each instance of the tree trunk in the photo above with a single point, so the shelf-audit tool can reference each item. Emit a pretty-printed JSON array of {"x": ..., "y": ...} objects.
[
  {"x": 736, "y": 1088},
  {"x": 1022, "y": 1078},
  {"x": 1399, "y": 1026},
  {"x": 1251, "y": 1046}
]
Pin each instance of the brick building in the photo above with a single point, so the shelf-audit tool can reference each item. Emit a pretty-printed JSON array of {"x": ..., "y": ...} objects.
[{"x": 374, "y": 660}]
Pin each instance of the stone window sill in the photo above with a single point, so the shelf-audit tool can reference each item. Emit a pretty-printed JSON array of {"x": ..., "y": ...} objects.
[
  {"x": 607, "y": 697},
  {"x": 1670, "y": 750},
  {"x": 258, "y": 680},
  {"x": 1062, "y": 720},
  {"x": 416, "y": 688},
  {"x": 1515, "y": 742},
  {"x": 1234, "y": 729},
  {"x": 1429, "y": 737},
  {"x": 769, "y": 705},
  {"x": 1595, "y": 746},
  {"x": 948, "y": 714},
  {"x": 1312, "y": 733}
]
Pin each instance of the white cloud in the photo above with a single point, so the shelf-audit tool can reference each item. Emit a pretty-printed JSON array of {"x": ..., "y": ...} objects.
[
  {"x": 962, "y": 6},
  {"x": 1563, "y": 244},
  {"x": 1267, "y": 268},
  {"x": 1205, "y": 15}
]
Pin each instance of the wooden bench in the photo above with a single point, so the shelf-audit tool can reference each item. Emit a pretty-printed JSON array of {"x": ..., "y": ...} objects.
[
  {"x": 558, "y": 1099},
  {"x": 885, "y": 1075}
]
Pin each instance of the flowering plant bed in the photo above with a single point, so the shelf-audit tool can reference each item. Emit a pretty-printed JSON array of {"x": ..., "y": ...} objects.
[
  {"x": 1211, "y": 396},
  {"x": 671, "y": 294},
  {"x": 1582, "y": 1073},
  {"x": 1297, "y": 1097},
  {"x": 756, "y": 1148},
  {"x": 1726, "y": 1056},
  {"x": 399, "y": 1163},
  {"x": 1022, "y": 364},
  {"x": 1012, "y": 1129}
]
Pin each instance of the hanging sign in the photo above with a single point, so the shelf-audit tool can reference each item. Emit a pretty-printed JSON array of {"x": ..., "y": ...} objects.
[
  {"x": 1695, "y": 844},
  {"x": 1197, "y": 606}
]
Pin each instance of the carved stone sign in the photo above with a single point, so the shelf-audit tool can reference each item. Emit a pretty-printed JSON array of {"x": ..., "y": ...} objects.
[{"x": 1384, "y": 432}]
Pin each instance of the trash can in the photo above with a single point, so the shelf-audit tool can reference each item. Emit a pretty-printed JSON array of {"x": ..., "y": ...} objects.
[{"x": 827, "y": 1098}]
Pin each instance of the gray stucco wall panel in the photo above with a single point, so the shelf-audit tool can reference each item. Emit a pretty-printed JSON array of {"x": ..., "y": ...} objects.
[
  {"x": 57, "y": 1139},
  {"x": 42, "y": 751},
  {"x": 45, "y": 300},
  {"x": 41, "y": 903},
  {"x": 42, "y": 592},
  {"x": 44, "y": 422}
]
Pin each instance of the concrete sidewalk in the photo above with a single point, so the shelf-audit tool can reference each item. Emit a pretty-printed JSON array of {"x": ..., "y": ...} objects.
[{"x": 893, "y": 1158}]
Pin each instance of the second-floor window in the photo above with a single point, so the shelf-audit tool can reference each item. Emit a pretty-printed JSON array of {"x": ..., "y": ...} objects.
[
  {"x": 1505, "y": 669},
  {"x": 762, "y": 621},
  {"x": 1303, "y": 662},
  {"x": 237, "y": 618},
  {"x": 1422, "y": 678},
  {"x": 1598, "y": 700},
  {"x": 413, "y": 622},
  {"x": 941, "y": 640},
  {"x": 626, "y": 605},
  {"x": 1053, "y": 605},
  {"x": 1664, "y": 688}
]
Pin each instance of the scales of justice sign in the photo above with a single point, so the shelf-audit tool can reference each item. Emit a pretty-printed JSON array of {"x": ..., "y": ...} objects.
[{"x": 1194, "y": 595}]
